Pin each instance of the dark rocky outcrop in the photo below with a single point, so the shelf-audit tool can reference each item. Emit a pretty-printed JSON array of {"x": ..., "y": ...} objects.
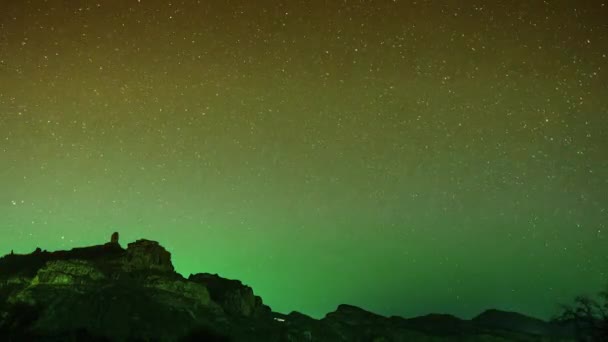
[
  {"x": 352, "y": 315},
  {"x": 437, "y": 324},
  {"x": 513, "y": 321},
  {"x": 108, "y": 293},
  {"x": 145, "y": 255},
  {"x": 234, "y": 297},
  {"x": 114, "y": 238}
]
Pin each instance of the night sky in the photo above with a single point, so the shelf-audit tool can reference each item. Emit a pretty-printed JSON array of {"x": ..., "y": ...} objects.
[{"x": 407, "y": 157}]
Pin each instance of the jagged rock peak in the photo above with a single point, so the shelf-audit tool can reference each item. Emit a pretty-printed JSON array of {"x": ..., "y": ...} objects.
[
  {"x": 114, "y": 238},
  {"x": 146, "y": 254}
]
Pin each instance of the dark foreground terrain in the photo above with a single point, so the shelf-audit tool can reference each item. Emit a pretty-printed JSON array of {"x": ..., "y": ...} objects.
[{"x": 108, "y": 293}]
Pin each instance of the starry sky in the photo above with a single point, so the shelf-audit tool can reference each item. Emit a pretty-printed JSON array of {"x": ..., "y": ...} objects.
[{"x": 407, "y": 157}]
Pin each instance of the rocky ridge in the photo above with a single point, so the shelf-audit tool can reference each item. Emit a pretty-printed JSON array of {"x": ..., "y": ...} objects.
[{"x": 109, "y": 293}]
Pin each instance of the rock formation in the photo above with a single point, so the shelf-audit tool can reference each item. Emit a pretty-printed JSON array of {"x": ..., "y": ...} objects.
[
  {"x": 148, "y": 255},
  {"x": 234, "y": 297},
  {"x": 68, "y": 272},
  {"x": 106, "y": 293},
  {"x": 114, "y": 238}
]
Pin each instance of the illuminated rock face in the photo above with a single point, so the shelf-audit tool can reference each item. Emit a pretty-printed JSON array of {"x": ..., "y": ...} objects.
[
  {"x": 100, "y": 291},
  {"x": 68, "y": 272}
]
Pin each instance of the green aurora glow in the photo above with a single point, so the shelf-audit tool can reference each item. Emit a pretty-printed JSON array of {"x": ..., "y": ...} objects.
[{"x": 406, "y": 157}]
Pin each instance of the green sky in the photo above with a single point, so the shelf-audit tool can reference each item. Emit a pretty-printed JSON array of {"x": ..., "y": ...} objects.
[{"x": 403, "y": 156}]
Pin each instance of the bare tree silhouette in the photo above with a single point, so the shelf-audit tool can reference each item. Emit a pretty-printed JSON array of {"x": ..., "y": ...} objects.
[{"x": 589, "y": 317}]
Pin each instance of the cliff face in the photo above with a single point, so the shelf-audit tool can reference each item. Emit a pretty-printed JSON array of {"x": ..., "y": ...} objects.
[
  {"x": 147, "y": 255},
  {"x": 234, "y": 297},
  {"x": 106, "y": 292}
]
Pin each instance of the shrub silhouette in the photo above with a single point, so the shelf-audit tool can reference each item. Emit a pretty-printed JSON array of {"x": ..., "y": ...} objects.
[{"x": 589, "y": 317}]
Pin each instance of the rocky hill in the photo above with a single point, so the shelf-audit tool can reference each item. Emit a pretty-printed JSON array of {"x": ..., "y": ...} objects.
[{"x": 109, "y": 293}]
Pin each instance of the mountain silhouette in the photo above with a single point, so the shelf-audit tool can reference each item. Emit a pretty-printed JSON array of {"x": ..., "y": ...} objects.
[{"x": 109, "y": 293}]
